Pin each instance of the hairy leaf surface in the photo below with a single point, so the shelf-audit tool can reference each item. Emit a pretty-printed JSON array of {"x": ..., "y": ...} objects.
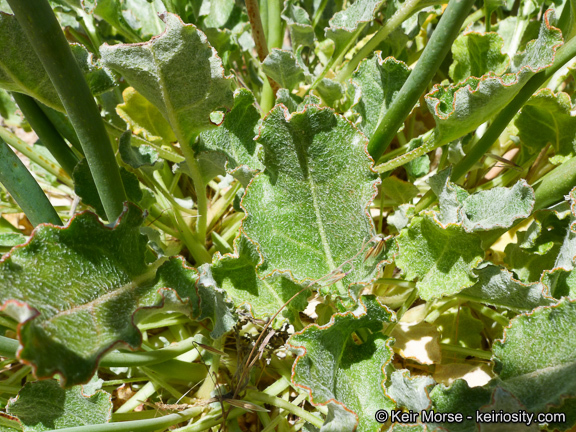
[{"x": 331, "y": 364}]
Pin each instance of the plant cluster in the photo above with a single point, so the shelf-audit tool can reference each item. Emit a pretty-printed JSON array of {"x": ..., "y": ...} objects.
[{"x": 286, "y": 215}]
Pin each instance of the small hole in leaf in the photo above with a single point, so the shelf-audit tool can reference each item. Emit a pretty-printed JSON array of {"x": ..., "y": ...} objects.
[{"x": 216, "y": 117}]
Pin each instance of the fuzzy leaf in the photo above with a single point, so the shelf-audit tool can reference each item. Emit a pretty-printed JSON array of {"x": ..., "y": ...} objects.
[
  {"x": 547, "y": 119},
  {"x": 528, "y": 266},
  {"x": 155, "y": 68},
  {"x": 75, "y": 290},
  {"x": 450, "y": 196},
  {"x": 44, "y": 405},
  {"x": 497, "y": 287},
  {"x": 282, "y": 67},
  {"x": 537, "y": 358},
  {"x": 235, "y": 137},
  {"x": 298, "y": 21},
  {"x": 143, "y": 118},
  {"x": 476, "y": 54},
  {"x": 345, "y": 23},
  {"x": 498, "y": 207},
  {"x": 236, "y": 275},
  {"x": 376, "y": 82},
  {"x": 399, "y": 190},
  {"x": 21, "y": 70},
  {"x": 138, "y": 156},
  {"x": 461, "y": 108},
  {"x": 309, "y": 216},
  {"x": 331, "y": 365},
  {"x": 409, "y": 392},
  {"x": 442, "y": 258}
]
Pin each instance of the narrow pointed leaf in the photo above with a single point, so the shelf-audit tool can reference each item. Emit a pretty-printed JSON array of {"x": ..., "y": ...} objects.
[
  {"x": 331, "y": 365},
  {"x": 442, "y": 258},
  {"x": 376, "y": 82},
  {"x": 155, "y": 68},
  {"x": 309, "y": 216}
]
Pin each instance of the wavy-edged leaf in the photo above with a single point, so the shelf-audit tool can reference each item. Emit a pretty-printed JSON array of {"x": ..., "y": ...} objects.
[
  {"x": 234, "y": 138},
  {"x": 376, "y": 82},
  {"x": 461, "y": 108},
  {"x": 282, "y": 67},
  {"x": 299, "y": 24},
  {"x": 236, "y": 275},
  {"x": 331, "y": 364},
  {"x": 497, "y": 287},
  {"x": 536, "y": 359},
  {"x": 409, "y": 392},
  {"x": 547, "y": 119},
  {"x": 155, "y": 68},
  {"x": 441, "y": 257},
  {"x": 21, "y": 70},
  {"x": 74, "y": 292},
  {"x": 138, "y": 156},
  {"x": 44, "y": 405},
  {"x": 476, "y": 54},
  {"x": 399, "y": 190},
  {"x": 498, "y": 207},
  {"x": 143, "y": 118},
  {"x": 307, "y": 210},
  {"x": 345, "y": 23},
  {"x": 450, "y": 196}
]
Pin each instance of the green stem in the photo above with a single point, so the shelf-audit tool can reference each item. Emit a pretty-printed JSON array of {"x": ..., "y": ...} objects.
[
  {"x": 431, "y": 142},
  {"x": 433, "y": 55},
  {"x": 62, "y": 125},
  {"x": 319, "y": 12},
  {"x": 486, "y": 355},
  {"x": 557, "y": 183},
  {"x": 8, "y": 347},
  {"x": 29, "y": 152},
  {"x": 275, "y": 27},
  {"x": 563, "y": 55},
  {"x": 46, "y": 132},
  {"x": 24, "y": 189},
  {"x": 281, "y": 403},
  {"x": 484, "y": 310},
  {"x": 407, "y": 9},
  {"x": 44, "y": 33}
]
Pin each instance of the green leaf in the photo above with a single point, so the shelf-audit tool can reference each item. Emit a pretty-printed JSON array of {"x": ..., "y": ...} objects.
[
  {"x": 399, "y": 190},
  {"x": 450, "y": 196},
  {"x": 220, "y": 12},
  {"x": 85, "y": 187},
  {"x": 331, "y": 364},
  {"x": 345, "y": 24},
  {"x": 309, "y": 216},
  {"x": 236, "y": 275},
  {"x": 461, "y": 108},
  {"x": 299, "y": 24},
  {"x": 547, "y": 119},
  {"x": 441, "y": 257},
  {"x": 75, "y": 290},
  {"x": 528, "y": 266},
  {"x": 282, "y": 67},
  {"x": 536, "y": 359},
  {"x": 294, "y": 102},
  {"x": 476, "y": 54},
  {"x": 142, "y": 156},
  {"x": 155, "y": 68},
  {"x": 143, "y": 118},
  {"x": 497, "y": 287},
  {"x": 44, "y": 405},
  {"x": 498, "y": 207},
  {"x": 331, "y": 91},
  {"x": 458, "y": 327},
  {"x": 376, "y": 82},
  {"x": 21, "y": 70},
  {"x": 409, "y": 392},
  {"x": 234, "y": 138}
]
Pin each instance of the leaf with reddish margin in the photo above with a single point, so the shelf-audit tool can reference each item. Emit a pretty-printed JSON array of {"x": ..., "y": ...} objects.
[
  {"x": 75, "y": 292},
  {"x": 331, "y": 364}
]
